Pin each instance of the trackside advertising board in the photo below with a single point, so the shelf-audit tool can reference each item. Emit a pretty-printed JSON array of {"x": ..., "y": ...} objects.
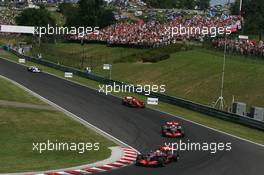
[
  {"x": 17, "y": 29},
  {"x": 106, "y": 66},
  {"x": 243, "y": 37},
  {"x": 21, "y": 60},
  {"x": 153, "y": 101},
  {"x": 68, "y": 75}
]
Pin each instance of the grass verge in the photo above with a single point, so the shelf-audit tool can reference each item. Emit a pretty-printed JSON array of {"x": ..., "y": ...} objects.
[
  {"x": 21, "y": 127},
  {"x": 10, "y": 92}
]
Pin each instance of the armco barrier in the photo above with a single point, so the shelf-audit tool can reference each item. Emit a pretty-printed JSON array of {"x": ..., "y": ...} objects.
[
  {"x": 210, "y": 111},
  {"x": 164, "y": 98}
]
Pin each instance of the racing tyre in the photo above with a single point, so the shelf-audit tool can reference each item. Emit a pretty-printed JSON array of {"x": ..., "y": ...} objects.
[
  {"x": 176, "y": 158},
  {"x": 161, "y": 162},
  {"x": 163, "y": 132},
  {"x": 137, "y": 160},
  {"x": 183, "y": 134}
]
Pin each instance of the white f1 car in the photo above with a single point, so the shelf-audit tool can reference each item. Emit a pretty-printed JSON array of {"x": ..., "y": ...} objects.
[{"x": 33, "y": 69}]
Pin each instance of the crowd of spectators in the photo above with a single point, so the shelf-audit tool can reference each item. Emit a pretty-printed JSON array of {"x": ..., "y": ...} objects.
[
  {"x": 241, "y": 46},
  {"x": 155, "y": 33},
  {"x": 7, "y": 16}
]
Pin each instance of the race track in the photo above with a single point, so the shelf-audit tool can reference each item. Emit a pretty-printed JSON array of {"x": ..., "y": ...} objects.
[{"x": 140, "y": 128}]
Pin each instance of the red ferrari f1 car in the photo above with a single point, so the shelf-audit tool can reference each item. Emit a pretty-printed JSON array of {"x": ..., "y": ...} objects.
[
  {"x": 159, "y": 158},
  {"x": 172, "y": 129},
  {"x": 133, "y": 102}
]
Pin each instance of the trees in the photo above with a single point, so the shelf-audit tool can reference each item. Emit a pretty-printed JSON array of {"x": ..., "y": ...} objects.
[
  {"x": 188, "y": 4},
  {"x": 66, "y": 8},
  {"x": 184, "y": 4},
  {"x": 203, "y": 4},
  {"x": 89, "y": 13},
  {"x": 35, "y": 17},
  {"x": 161, "y": 3},
  {"x": 252, "y": 11},
  {"x": 69, "y": 12},
  {"x": 86, "y": 13}
]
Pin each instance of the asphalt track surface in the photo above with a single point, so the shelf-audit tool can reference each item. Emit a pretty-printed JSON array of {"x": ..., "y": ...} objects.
[{"x": 140, "y": 128}]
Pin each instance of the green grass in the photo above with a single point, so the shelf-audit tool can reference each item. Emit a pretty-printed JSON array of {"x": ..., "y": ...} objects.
[
  {"x": 10, "y": 92},
  {"x": 20, "y": 128},
  {"x": 13, "y": 40},
  {"x": 195, "y": 75},
  {"x": 71, "y": 54},
  {"x": 59, "y": 19},
  {"x": 50, "y": 70},
  {"x": 228, "y": 127}
]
